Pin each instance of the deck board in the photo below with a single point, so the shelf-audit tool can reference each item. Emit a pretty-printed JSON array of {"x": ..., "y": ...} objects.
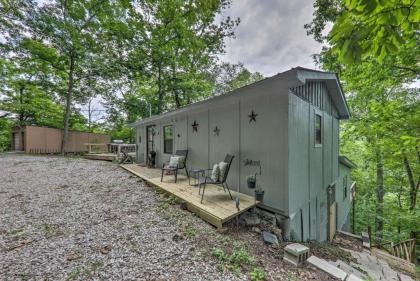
[{"x": 217, "y": 207}]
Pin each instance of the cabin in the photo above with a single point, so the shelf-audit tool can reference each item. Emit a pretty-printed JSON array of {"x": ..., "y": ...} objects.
[
  {"x": 283, "y": 129},
  {"x": 37, "y": 139}
]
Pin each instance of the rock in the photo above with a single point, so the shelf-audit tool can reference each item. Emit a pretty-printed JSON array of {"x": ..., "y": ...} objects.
[
  {"x": 106, "y": 249},
  {"x": 270, "y": 238},
  {"x": 74, "y": 255},
  {"x": 252, "y": 220},
  {"x": 353, "y": 277},
  {"x": 256, "y": 229},
  {"x": 177, "y": 237},
  {"x": 278, "y": 232},
  {"x": 268, "y": 216}
]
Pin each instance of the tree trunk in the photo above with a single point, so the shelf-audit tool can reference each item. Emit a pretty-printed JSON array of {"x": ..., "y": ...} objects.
[
  {"x": 68, "y": 105},
  {"x": 413, "y": 185},
  {"x": 174, "y": 90},
  {"x": 160, "y": 92},
  {"x": 21, "y": 112},
  {"x": 379, "y": 222}
]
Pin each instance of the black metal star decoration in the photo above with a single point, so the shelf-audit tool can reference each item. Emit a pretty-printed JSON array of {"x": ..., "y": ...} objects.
[
  {"x": 253, "y": 117},
  {"x": 216, "y": 131},
  {"x": 195, "y": 126}
]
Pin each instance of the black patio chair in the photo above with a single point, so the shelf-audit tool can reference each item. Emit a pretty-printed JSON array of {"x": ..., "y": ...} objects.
[
  {"x": 221, "y": 181},
  {"x": 180, "y": 166}
]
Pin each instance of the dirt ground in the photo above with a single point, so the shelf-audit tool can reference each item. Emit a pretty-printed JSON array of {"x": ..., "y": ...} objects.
[{"x": 76, "y": 219}]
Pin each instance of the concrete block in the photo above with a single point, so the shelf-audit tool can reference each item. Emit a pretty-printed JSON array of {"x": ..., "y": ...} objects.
[
  {"x": 296, "y": 253},
  {"x": 327, "y": 267}
]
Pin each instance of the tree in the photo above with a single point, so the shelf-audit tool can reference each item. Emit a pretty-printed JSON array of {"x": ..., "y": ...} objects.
[
  {"x": 227, "y": 77},
  {"x": 169, "y": 47},
  {"x": 67, "y": 36},
  {"x": 382, "y": 135},
  {"x": 368, "y": 28}
]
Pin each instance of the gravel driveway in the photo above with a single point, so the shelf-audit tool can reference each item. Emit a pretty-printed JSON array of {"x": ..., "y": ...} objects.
[{"x": 76, "y": 219}]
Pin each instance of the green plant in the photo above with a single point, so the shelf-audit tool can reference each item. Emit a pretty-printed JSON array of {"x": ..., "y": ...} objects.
[
  {"x": 259, "y": 189},
  {"x": 258, "y": 274},
  {"x": 49, "y": 229},
  {"x": 189, "y": 232},
  {"x": 18, "y": 233},
  {"x": 238, "y": 259},
  {"x": 74, "y": 274},
  {"x": 251, "y": 178}
]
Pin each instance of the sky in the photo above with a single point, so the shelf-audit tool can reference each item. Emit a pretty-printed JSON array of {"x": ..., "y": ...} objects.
[{"x": 270, "y": 37}]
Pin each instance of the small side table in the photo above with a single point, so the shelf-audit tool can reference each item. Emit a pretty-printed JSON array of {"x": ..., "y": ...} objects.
[{"x": 195, "y": 174}]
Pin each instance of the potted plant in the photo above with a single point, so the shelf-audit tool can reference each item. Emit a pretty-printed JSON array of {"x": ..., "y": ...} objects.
[
  {"x": 251, "y": 180},
  {"x": 259, "y": 194}
]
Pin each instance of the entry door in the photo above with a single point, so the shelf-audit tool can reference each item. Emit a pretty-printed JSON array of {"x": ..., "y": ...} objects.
[
  {"x": 150, "y": 136},
  {"x": 332, "y": 212}
]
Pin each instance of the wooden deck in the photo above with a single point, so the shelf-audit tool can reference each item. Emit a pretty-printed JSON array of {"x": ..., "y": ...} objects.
[{"x": 217, "y": 207}]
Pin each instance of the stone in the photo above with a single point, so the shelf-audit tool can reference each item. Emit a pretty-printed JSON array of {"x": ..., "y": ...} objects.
[
  {"x": 252, "y": 220},
  {"x": 256, "y": 229},
  {"x": 327, "y": 267},
  {"x": 270, "y": 238},
  {"x": 353, "y": 277},
  {"x": 278, "y": 232},
  {"x": 349, "y": 269},
  {"x": 296, "y": 254},
  {"x": 106, "y": 249},
  {"x": 268, "y": 216}
]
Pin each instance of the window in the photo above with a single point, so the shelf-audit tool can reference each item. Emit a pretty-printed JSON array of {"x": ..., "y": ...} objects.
[
  {"x": 345, "y": 187},
  {"x": 168, "y": 139},
  {"x": 318, "y": 130}
]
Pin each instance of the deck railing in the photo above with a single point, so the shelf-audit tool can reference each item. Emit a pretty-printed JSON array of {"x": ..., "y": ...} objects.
[
  {"x": 119, "y": 148},
  {"x": 115, "y": 148}
]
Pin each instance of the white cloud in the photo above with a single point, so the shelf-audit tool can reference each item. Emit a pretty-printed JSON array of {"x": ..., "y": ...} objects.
[{"x": 271, "y": 37}]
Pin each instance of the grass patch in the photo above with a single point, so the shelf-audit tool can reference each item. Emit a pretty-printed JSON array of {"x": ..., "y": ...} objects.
[
  {"x": 189, "y": 232},
  {"x": 236, "y": 260},
  {"x": 50, "y": 230},
  {"x": 258, "y": 274},
  {"x": 17, "y": 234},
  {"x": 134, "y": 246},
  {"x": 86, "y": 272},
  {"x": 235, "y": 257},
  {"x": 73, "y": 275}
]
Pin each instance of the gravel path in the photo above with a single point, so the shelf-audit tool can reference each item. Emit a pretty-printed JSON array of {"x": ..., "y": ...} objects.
[{"x": 76, "y": 219}]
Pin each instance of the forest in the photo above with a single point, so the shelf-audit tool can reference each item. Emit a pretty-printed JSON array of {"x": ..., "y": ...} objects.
[{"x": 59, "y": 57}]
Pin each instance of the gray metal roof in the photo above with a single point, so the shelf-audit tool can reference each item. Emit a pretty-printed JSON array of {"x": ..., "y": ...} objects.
[
  {"x": 301, "y": 75},
  {"x": 346, "y": 161}
]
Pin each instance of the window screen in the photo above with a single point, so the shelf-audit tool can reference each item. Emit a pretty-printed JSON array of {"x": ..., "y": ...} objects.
[
  {"x": 168, "y": 139},
  {"x": 318, "y": 130},
  {"x": 345, "y": 187}
]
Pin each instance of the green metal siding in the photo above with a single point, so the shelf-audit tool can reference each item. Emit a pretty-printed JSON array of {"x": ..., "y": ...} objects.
[
  {"x": 312, "y": 168},
  {"x": 344, "y": 205}
]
